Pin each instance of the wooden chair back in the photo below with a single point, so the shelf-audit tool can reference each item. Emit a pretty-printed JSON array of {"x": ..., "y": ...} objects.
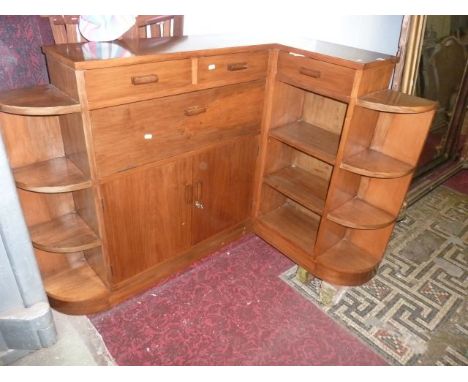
[{"x": 65, "y": 28}]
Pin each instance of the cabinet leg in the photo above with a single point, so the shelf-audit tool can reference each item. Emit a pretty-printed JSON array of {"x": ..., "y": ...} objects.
[
  {"x": 402, "y": 213},
  {"x": 331, "y": 294},
  {"x": 302, "y": 274}
]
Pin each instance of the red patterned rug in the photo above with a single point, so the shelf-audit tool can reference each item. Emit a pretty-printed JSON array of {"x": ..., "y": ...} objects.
[{"x": 229, "y": 309}]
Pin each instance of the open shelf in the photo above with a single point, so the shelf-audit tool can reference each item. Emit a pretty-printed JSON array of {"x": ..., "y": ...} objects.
[
  {"x": 52, "y": 176},
  {"x": 356, "y": 213},
  {"x": 65, "y": 234},
  {"x": 353, "y": 264},
  {"x": 311, "y": 139},
  {"x": 38, "y": 100},
  {"x": 301, "y": 186},
  {"x": 75, "y": 285},
  {"x": 395, "y": 102},
  {"x": 376, "y": 165},
  {"x": 294, "y": 225}
]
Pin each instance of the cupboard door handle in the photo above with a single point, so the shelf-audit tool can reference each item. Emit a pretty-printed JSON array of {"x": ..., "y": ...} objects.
[
  {"x": 198, "y": 195},
  {"x": 188, "y": 194},
  {"x": 194, "y": 110},
  {"x": 199, "y": 205},
  {"x": 147, "y": 79},
  {"x": 310, "y": 72},
  {"x": 237, "y": 66}
]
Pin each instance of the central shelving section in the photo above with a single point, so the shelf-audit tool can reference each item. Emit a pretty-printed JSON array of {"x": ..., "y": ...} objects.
[{"x": 301, "y": 153}]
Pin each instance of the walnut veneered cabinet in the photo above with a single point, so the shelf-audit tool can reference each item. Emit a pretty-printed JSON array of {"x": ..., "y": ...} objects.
[{"x": 140, "y": 159}]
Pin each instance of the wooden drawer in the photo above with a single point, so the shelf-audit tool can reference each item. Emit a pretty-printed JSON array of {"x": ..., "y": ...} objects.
[
  {"x": 130, "y": 135},
  {"x": 317, "y": 76},
  {"x": 232, "y": 68},
  {"x": 117, "y": 85}
]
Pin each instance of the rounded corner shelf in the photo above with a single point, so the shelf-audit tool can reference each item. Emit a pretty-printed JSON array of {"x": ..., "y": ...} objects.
[
  {"x": 374, "y": 164},
  {"x": 346, "y": 264},
  {"x": 395, "y": 102},
  {"x": 77, "y": 291},
  {"x": 42, "y": 100},
  {"x": 65, "y": 234},
  {"x": 358, "y": 214},
  {"x": 52, "y": 176}
]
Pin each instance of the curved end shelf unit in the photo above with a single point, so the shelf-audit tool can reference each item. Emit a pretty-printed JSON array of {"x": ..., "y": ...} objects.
[
  {"x": 358, "y": 214},
  {"x": 395, "y": 102},
  {"x": 374, "y": 164},
  {"x": 65, "y": 234},
  {"x": 346, "y": 264},
  {"x": 51, "y": 176},
  {"x": 38, "y": 100},
  {"x": 77, "y": 291}
]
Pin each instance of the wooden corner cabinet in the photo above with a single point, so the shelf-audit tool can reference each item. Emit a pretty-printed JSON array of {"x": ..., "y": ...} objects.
[{"x": 140, "y": 158}]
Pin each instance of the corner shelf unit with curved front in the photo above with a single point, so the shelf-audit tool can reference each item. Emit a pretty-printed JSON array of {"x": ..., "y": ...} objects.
[{"x": 43, "y": 132}]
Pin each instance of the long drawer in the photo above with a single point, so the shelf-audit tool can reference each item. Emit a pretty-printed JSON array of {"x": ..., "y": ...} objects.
[
  {"x": 130, "y": 135},
  {"x": 122, "y": 84},
  {"x": 321, "y": 77}
]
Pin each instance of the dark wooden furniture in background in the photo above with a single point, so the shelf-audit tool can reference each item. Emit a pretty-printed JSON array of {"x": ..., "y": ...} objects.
[
  {"x": 434, "y": 65},
  {"x": 131, "y": 168},
  {"x": 65, "y": 28}
]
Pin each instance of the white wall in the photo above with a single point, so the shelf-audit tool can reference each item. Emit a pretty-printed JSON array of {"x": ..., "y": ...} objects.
[{"x": 377, "y": 33}]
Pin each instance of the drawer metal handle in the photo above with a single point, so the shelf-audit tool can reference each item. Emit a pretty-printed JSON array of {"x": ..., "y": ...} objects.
[
  {"x": 310, "y": 72},
  {"x": 194, "y": 110},
  {"x": 237, "y": 66},
  {"x": 147, "y": 79}
]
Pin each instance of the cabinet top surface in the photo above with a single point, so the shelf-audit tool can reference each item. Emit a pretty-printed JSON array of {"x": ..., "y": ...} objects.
[{"x": 92, "y": 55}]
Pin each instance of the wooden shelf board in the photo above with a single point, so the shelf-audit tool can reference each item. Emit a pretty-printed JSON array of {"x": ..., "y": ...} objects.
[
  {"x": 294, "y": 225},
  {"x": 301, "y": 186},
  {"x": 356, "y": 213},
  {"x": 52, "y": 176},
  {"x": 75, "y": 285},
  {"x": 38, "y": 100},
  {"x": 375, "y": 164},
  {"x": 311, "y": 139},
  {"x": 345, "y": 257},
  {"x": 395, "y": 102},
  {"x": 65, "y": 234}
]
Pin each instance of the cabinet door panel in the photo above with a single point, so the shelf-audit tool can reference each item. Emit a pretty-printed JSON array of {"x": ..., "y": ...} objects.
[
  {"x": 147, "y": 216},
  {"x": 222, "y": 187}
]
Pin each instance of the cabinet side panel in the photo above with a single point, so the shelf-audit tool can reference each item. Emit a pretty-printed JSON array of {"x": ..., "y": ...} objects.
[
  {"x": 31, "y": 139},
  {"x": 287, "y": 104},
  {"x": 74, "y": 141},
  {"x": 375, "y": 78},
  {"x": 62, "y": 77}
]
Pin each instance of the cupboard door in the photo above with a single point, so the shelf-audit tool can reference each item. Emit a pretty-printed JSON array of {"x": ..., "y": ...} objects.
[
  {"x": 147, "y": 217},
  {"x": 222, "y": 187}
]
